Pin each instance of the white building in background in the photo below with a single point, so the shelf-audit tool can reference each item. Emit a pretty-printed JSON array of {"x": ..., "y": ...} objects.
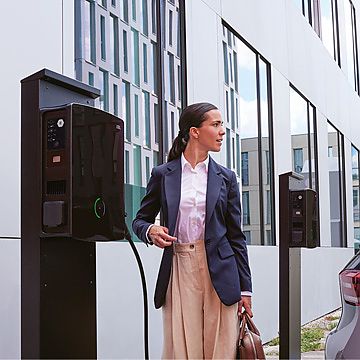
[{"x": 286, "y": 80}]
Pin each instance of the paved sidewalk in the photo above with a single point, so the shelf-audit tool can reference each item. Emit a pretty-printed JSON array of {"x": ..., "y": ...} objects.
[{"x": 308, "y": 355}]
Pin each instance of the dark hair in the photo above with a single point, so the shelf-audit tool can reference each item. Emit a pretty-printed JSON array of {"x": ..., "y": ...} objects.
[{"x": 192, "y": 116}]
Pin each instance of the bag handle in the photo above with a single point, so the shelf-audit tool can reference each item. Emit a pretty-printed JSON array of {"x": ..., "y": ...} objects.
[
  {"x": 250, "y": 324},
  {"x": 242, "y": 328}
]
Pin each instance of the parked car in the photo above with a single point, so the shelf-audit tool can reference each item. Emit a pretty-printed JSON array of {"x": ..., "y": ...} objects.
[{"x": 344, "y": 341}]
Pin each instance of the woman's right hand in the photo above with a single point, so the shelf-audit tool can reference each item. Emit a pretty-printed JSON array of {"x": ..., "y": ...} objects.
[{"x": 160, "y": 237}]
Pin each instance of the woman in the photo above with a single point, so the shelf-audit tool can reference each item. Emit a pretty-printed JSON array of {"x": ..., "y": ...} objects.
[{"x": 204, "y": 277}]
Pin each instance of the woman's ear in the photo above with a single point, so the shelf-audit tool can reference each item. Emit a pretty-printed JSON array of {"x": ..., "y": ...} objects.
[{"x": 194, "y": 132}]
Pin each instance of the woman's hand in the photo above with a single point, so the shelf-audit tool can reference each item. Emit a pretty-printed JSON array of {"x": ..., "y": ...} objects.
[
  {"x": 246, "y": 303},
  {"x": 160, "y": 237}
]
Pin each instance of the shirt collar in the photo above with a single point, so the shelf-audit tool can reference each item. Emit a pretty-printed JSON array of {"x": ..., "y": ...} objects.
[{"x": 184, "y": 162}]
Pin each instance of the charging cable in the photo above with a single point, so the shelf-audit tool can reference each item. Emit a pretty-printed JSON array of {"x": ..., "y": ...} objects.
[{"x": 143, "y": 282}]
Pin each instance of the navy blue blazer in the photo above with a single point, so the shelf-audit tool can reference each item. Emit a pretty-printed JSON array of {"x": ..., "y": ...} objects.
[{"x": 225, "y": 242}]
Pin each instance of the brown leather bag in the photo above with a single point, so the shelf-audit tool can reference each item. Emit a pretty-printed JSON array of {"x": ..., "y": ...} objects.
[{"x": 249, "y": 344}]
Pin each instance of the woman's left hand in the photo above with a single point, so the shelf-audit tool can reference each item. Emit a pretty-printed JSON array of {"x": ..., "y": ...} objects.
[{"x": 246, "y": 303}]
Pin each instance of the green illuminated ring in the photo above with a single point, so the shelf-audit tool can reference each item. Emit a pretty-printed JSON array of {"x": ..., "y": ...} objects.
[{"x": 95, "y": 211}]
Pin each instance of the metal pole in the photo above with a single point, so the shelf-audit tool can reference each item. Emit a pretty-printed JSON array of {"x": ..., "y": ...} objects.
[{"x": 289, "y": 277}]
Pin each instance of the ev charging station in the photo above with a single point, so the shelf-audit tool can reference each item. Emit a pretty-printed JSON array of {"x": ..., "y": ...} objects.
[
  {"x": 72, "y": 194},
  {"x": 298, "y": 229}
]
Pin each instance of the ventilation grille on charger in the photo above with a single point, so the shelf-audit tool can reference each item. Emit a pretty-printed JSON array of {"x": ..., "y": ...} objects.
[{"x": 56, "y": 187}]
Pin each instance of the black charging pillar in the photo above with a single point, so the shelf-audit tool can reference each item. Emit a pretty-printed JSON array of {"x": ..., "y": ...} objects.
[
  {"x": 58, "y": 289},
  {"x": 298, "y": 212}
]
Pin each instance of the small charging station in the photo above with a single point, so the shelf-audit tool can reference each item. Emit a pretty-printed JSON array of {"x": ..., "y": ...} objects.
[
  {"x": 298, "y": 229},
  {"x": 72, "y": 194}
]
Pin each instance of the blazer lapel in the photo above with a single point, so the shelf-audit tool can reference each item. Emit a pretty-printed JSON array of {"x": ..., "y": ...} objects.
[
  {"x": 213, "y": 188},
  {"x": 172, "y": 185}
]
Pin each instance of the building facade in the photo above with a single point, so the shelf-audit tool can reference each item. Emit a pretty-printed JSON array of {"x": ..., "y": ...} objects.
[{"x": 285, "y": 77}]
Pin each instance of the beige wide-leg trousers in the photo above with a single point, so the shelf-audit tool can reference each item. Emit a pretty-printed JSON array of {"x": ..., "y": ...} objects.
[{"x": 197, "y": 325}]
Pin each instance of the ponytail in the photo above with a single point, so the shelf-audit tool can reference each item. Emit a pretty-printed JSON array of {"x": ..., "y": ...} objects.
[{"x": 178, "y": 146}]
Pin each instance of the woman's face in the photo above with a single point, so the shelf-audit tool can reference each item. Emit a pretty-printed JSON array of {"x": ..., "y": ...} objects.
[{"x": 211, "y": 132}]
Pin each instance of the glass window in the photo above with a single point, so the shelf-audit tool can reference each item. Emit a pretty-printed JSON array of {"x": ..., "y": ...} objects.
[
  {"x": 245, "y": 208},
  {"x": 302, "y": 125},
  {"x": 249, "y": 139},
  {"x": 232, "y": 102},
  {"x": 145, "y": 63},
  {"x": 351, "y": 44},
  {"x": 154, "y": 80},
  {"x": 114, "y": 45},
  {"x": 153, "y": 16},
  {"x": 248, "y": 124},
  {"x": 266, "y": 163},
  {"x": 124, "y": 10},
  {"x": 228, "y": 149},
  {"x": 268, "y": 207},
  {"x": 236, "y": 72},
  {"x": 113, "y": 3},
  {"x": 355, "y": 163},
  {"x": 135, "y": 56},
  {"x": 146, "y": 117},
  {"x": 170, "y": 28},
  {"x": 245, "y": 168},
  {"x": 298, "y": 160},
  {"x": 336, "y": 188},
  {"x": 125, "y": 51},
  {"x": 238, "y": 154},
  {"x": 329, "y": 27},
  {"x": 171, "y": 78},
  {"x": 157, "y": 126},
  {"x": 155, "y": 158},
  {"x": 147, "y": 168},
  {"x": 172, "y": 123},
  {"x": 166, "y": 130},
  {"x": 179, "y": 82},
  {"x": 116, "y": 100},
  {"x": 127, "y": 167},
  {"x": 125, "y": 104},
  {"x": 89, "y": 31},
  {"x": 137, "y": 165},
  {"x": 227, "y": 106},
  {"x": 178, "y": 34},
  {"x": 226, "y": 65},
  {"x": 102, "y": 38},
  {"x": 231, "y": 68},
  {"x": 144, "y": 11},
  {"x": 104, "y": 88},
  {"x": 268, "y": 167},
  {"x": 91, "y": 79},
  {"x": 133, "y": 7},
  {"x": 104, "y": 3},
  {"x": 136, "y": 115},
  {"x": 247, "y": 234}
]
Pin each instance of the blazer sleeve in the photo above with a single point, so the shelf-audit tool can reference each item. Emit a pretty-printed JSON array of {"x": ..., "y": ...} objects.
[
  {"x": 149, "y": 208},
  {"x": 235, "y": 235}
]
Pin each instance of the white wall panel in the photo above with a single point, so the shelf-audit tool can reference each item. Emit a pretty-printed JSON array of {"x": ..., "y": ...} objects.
[
  {"x": 320, "y": 292},
  {"x": 10, "y": 299},
  {"x": 120, "y": 301},
  {"x": 204, "y": 82}
]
